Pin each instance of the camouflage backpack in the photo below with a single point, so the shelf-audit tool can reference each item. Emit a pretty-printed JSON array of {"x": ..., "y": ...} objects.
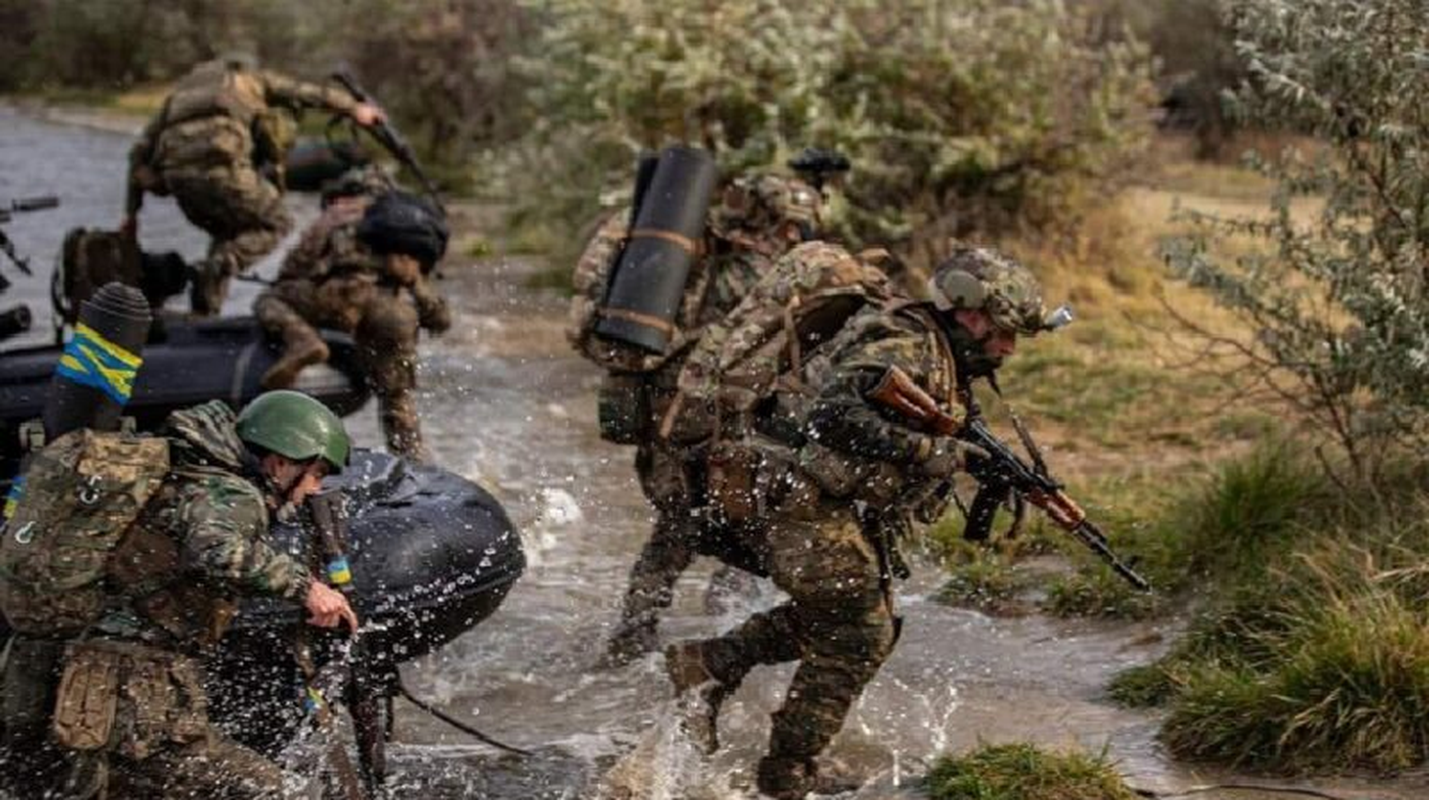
[
  {"x": 81, "y": 494},
  {"x": 799, "y": 304}
]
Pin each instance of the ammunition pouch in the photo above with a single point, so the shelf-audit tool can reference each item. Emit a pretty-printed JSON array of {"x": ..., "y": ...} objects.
[
  {"x": 274, "y": 133},
  {"x": 623, "y": 405},
  {"x": 746, "y": 477},
  {"x": 129, "y": 699}
]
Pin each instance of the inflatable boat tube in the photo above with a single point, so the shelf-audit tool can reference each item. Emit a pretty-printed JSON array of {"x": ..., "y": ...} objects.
[{"x": 191, "y": 362}]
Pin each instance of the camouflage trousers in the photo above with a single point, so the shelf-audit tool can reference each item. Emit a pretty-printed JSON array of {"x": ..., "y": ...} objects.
[
  {"x": 838, "y": 623},
  {"x": 385, "y": 327},
  {"x": 134, "y": 722},
  {"x": 680, "y": 533},
  {"x": 244, "y": 214}
]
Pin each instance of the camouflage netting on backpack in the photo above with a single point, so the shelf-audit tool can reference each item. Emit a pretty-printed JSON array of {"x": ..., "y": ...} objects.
[
  {"x": 81, "y": 494},
  {"x": 813, "y": 290},
  {"x": 589, "y": 283}
]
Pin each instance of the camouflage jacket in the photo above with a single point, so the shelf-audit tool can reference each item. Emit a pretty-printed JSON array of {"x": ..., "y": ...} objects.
[
  {"x": 718, "y": 281},
  {"x": 329, "y": 248},
  {"x": 211, "y": 117},
  {"x": 200, "y": 543},
  {"x": 874, "y": 444}
]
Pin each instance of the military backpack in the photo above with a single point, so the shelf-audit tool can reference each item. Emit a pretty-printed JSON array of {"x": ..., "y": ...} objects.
[{"x": 81, "y": 495}]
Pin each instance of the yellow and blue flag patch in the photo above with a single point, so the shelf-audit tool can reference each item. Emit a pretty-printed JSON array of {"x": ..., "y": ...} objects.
[{"x": 91, "y": 360}]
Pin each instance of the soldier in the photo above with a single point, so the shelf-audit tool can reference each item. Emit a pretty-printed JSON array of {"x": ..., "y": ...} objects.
[
  {"x": 363, "y": 267},
  {"x": 755, "y": 221},
  {"x": 129, "y": 709},
  {"x": 208, "y": 147},
  {"x": 852, "y": 485}
]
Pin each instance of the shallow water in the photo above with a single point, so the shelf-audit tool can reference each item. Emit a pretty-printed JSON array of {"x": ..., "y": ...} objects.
[{"x": 507, "y": 404}]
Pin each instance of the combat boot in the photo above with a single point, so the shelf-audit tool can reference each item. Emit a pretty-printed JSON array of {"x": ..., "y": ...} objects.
[
  {"x": 797, "y": 778},
  {"x": 685, "y": 664},
  {"x": 301, "y": 348}
]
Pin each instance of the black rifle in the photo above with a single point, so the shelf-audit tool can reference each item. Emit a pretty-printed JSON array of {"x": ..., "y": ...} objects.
[
  {"x": 327, "y": 517},
  {"x": 24, "y": 204},
  {"x": 1001, "y": 471},
  {"x": 390, "y": 139}
]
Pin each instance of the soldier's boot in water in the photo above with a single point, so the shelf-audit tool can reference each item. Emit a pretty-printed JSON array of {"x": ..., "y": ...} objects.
[
  {"x": 700, "y": 692},
  {"x": 302, "y": 347},
  {"x": 631, "y": 640},
  {"x": 796, "y": 778}
]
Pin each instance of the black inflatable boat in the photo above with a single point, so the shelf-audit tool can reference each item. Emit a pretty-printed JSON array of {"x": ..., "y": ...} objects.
[
  {"x": 190, "y": 362},
  {"x": 432, "y": 555}
]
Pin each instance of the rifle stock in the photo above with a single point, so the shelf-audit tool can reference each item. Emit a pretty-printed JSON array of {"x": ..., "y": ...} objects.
[{"x": 900, "y": 394}]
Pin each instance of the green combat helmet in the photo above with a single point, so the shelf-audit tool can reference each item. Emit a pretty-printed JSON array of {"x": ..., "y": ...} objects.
[
  {"x": 983, "y": 279},
  {"x": 295, "y": 426}
]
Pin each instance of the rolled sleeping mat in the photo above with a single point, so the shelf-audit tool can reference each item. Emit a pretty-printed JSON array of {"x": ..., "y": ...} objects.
[
  {"x": 15, "y": 321},
  {"x": 96, "y": 372},
  {"x": 644, "y": 173},
  {"x": 648, "y": 281}
]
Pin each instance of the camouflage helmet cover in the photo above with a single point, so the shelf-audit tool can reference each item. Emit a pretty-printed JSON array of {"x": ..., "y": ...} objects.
[
  {"x": 295, "y": 426},
  {"x": 759, "y": 202},
  {"x": 984, "y": 279}
]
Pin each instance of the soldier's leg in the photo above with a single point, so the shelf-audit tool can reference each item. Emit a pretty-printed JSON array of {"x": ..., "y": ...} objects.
[
  {"x": 387, "y": 338},
  {"x": 666, "y": 555},
  {"x": 278, "y": 311},
  {"x": 212, "y": 769},
  {"x": 846, "y": 630},
  {"x": 245, "y": 216}
]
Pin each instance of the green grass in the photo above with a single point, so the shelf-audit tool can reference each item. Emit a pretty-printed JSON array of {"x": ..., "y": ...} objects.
[
  {"x": 1025, "y": 772},
  {"x": 984, "y": 580}
]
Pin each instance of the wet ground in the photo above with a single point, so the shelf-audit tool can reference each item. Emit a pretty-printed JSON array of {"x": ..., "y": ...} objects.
[{"x": 507, "y": 404}]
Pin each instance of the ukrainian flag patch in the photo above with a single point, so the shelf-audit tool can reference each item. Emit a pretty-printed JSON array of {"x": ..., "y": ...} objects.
[{"x": 91, "y": 360}]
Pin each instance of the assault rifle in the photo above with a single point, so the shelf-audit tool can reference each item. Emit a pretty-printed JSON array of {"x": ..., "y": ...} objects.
[
  {"x": 348, "y": 676},
  {"x": 1001, "y": 471},
  {"x": 389, "y": 138},
  {"x": 21, "y": 205}
]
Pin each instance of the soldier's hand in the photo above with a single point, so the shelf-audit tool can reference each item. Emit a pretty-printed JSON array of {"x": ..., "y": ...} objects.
[
  {"x": 367, "y": 115},
  {"x": 327, "y": 607},
  {"x": 948, "y": 457}
]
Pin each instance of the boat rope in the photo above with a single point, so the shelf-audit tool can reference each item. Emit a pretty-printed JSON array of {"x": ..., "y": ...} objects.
[{"x": 456, "y": 723}]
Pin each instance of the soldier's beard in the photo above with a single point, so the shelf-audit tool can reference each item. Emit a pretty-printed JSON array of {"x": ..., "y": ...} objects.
[{"x": 970, "y": 352}]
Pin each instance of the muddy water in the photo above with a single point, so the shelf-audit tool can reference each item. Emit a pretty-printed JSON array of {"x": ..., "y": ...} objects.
[{"x": 505, "y": 403}]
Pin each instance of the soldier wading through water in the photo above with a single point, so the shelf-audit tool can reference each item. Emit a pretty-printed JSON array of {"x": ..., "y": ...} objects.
[
  {"x": 105, "y": 671},
  {"x": 839, "y": 493}
]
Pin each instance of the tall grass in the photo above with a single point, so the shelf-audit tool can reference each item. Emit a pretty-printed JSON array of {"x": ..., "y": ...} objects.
[
  {"x": 1314, "y": 652},
  {"x": 1024, "y": 772}
]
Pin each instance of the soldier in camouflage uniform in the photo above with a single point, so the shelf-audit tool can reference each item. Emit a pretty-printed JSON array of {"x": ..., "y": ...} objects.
[
  {"x": 847, "y": 490},
  {"x": 132, "y": 683},
  {"x": 754, "y": 222},
  {"x": 208, "y": 147},
  {"x": 333, "y": 279}
]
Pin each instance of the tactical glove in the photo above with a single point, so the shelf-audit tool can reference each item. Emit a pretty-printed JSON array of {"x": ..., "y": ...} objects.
[{"x": 948, "y": 456}]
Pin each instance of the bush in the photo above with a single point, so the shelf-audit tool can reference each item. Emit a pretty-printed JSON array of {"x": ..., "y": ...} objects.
[
  {"x": 1024, "y": 772},
  {"x": 958, "y": 115},
  {"x": 1331, "y": 289}
]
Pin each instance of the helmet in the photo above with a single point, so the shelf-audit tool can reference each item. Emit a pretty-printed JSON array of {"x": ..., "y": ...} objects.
[
  {"x": 983, "y": 279},
  {"x": 295, "y": 426},
  {"x": 399, "y": 222},
  {"x": 760, "y": 202},
  {"x": 366, "y": 180}
]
